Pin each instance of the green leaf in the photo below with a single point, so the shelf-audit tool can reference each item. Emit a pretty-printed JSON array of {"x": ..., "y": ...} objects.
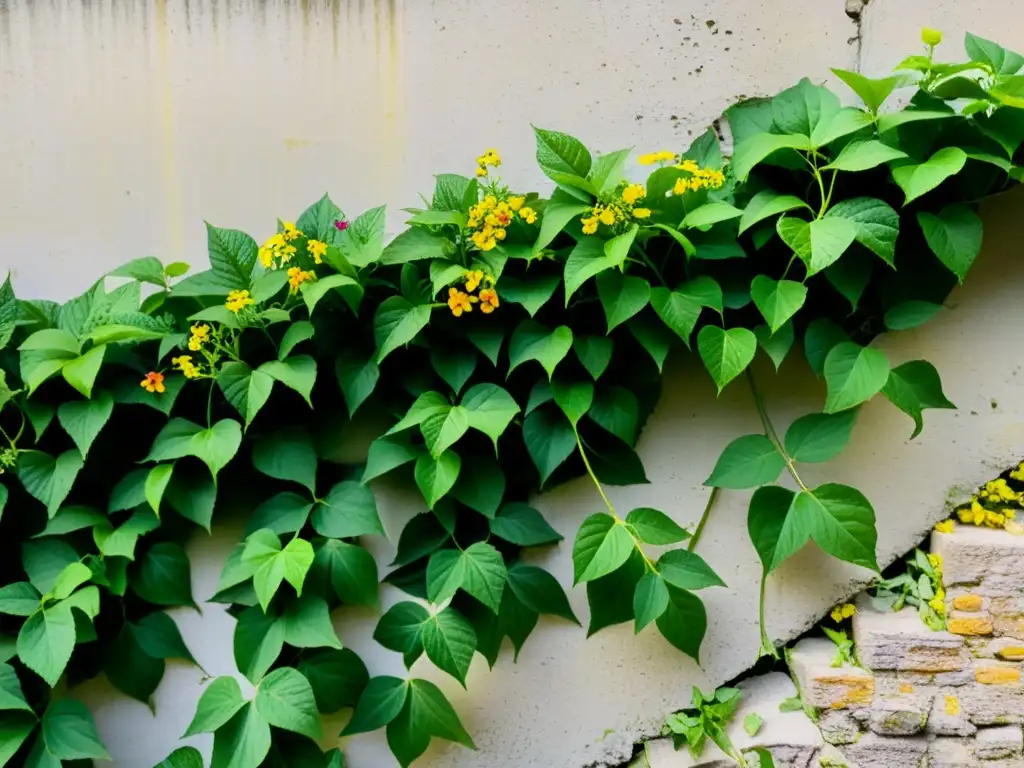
[
  {"x": 455, "y": 366},
  {"x": 687, "y": 570},
  {"x": 11, "y": 695},
  {"x": 9, "y": 311},
  {"x": 914, "y": 386},
  {"x": 337, "y": 678},
  {"x": 532, "y": 341},
  {"x": 621, "y": 296},
  {"x": 803, "y": 108},
  {"x": 532, "y": 294},
  {"x": 443, "y": 429},
  {"x": 478, "y": 570},
  {"x": 539, "y": 591},
  {"x": 160, "y": 638},
  {"x": 400, "y": 630},
  {"x": 297, "y": 373},
  {"x": 754, "y": 149},
  {"x": 556, "y": 216},
  {"x": 156, "y": 484},
  {"x": 49, "y": 480},
  {"x": 872, "y": 91},
  {"x": 257, "y": 643},
  {"x": 281, "y": 513},
  {"x": 435, "y": 477},
  {"x": 381, "y": 701},
  {"x": 677, "y": 310},
  {"x": 616, "y": 410},
  {"x": 589, "y": 258},
  {"x": 307, "y": 623},
  {"x": 608, "y": 170},
  {"x": 450, "y": 642},
  {"x": 215, "y": 447},
  {"x": 130, "y": 669},
  {"x": 275, "y": 564},
  {"x": 521, "y": 524},
  {"x": 387, "y": 453},
  {"x": 232, "y": 257},
  {"x": 1002, "y": 61},
  {"x": 46, "y": 641},
  {"x": 777, "y": 301},
  {"x": 362, "y": 243},
  {"x": 892, "y": 120},
  {"x": 71, "y": 578},
  {"x": 684, "y": 622},
  {"x": 317, "y": 221},
  {"x": 163, "y": 576},
  {"x": 193, "y": 494},
  {"x": 426, "y": 712},
  {"x": 821, "y": 336},
  {"x": 244, "y": 741},
  {"x": 854, "y": 374},
  {"x": 285, "y": 699},
  {"x": 594, "y": 352},
  {"x": 574, "y": 398},
  {"x": 747, "y": 462},
  {"x": 602, "y": 545},
  {"x": 81, "y": 372},
  {"x": 19, "y": 599},
  {"x": 726, "y": 353},
  {"x": 653, "y": 526},
  {"x": 287, "y": 455},
  {"x": 765, "y": 204},
  {"x": 910, "y": 314},
  {"x": 560, "y": 155},
  {"x": 83, "y": 419},
  {"x": 183, "y": 757},
  {"x": 69, "y": 732},
  {"x": 247, "y": 390},
  {"x": 778, "y": 344},
  {"x": 839, "y": 520},
  {"x": 357, "y": 378},
  {"x": 481, "y": 486},
  {"x": 709, "y": 214},
  {"x": 650, "y": 600},
  {"x": 549, "y": 440},
  {"x": 312, "y": 292},
  {"x": 864, "y": 155},
  {"x": 44, "y": 561},
  {"x": 350, "y": 570},
  {"x": 15, "y": 728},
  {"x": 415, "y": 244},
  {"x": 396, "y": 323},
  {"x": 819, "y": 243},
  {"x": 917, "y": 179},
  {"x": 819, "y": 436},
  {"x": 954, "y": 235}
]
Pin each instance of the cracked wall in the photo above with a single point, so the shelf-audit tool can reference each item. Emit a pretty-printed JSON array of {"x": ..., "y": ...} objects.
[{"x": 158, "y": 114}]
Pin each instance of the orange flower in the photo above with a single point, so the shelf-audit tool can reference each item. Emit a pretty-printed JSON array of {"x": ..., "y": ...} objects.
[
  {"x": 459, "y": 302},
  {"x": 154, "y": 382},
  {"x": 488, "y": 300}
]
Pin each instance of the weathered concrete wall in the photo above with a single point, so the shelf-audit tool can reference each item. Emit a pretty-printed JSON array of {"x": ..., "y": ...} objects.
[{"x": 126, "y": 123}]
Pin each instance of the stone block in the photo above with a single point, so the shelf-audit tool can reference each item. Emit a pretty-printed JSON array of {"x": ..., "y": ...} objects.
[
  {"x": 901, "y": 641},
  {"x": 990, "y": 561},
  {"x": 1008, "y": 616},
  {"x": 947, "y": 717},
  {"x": 950, "y": 753},
  {"x": 972, "y": 624},
  {"x": 826, "y": 687},
  {"x": 997, "y": 743},
  {"x": 1005, "y": 648},
  {"x": 839, "y": 726},
  {"x": 992, "y": 704},
  {"x": 990, "y": 672},
  {"x": 969, "y": 603},
  {"x": 897, "y": 715},
  {"x": 874, "y": 751}
]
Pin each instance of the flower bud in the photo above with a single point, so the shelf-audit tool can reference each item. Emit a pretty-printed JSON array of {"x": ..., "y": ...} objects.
[{"x": 931, "y": 37}]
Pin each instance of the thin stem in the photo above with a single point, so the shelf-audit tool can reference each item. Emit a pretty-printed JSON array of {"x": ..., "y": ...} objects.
[
  {"x": 703, "y": 520},
  {"x": 771, "y": 434},
  {"x": 209, "y": 406},
  {"x": 597, "y": 483},
  {"x": 767, "y": 646},
  {"x": 828, "y": 198}
]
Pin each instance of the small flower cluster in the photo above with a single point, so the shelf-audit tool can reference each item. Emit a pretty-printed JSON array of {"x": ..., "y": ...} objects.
[
  {"x": 200, "y": 335},
  {"x": 278, "y": 249},
  {"x": 938, "y": 602},
  {"x": 490, "y": 218},
  {"x": 991, "y": 506},
  {"x": 184, "y": 364},
  {"x": 296, "y": 277},
  {"x": 153, "y": 383},
  {"x": 317, "y": 249},
  {"x": 238, "y": 300},
  {"x": 698, "y": 178},
  {"x": 463, "y": 301},
  {"x": 8, "y": 458},
  {"x": 618, "y": 210},
  {"x": 490, "y": 158},
  {"x": 844, "y": 611}
]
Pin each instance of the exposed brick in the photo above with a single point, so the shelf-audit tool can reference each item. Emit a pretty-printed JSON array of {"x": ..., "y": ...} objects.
[
  {"x": 901, "y": 641},
  {"x": 970, "y": 603},
  {"x": 897, "y": 715},
  {"x": 947, "y": 717},
  {"x": 996, "y": 673},
  {"x": 997, "y": 743},
  {"x": 1008, "y": 616},
  {"x": 969, "y": 625},
  {"x": 991, "y": 561},
  {"x": 826, "y": 687}
]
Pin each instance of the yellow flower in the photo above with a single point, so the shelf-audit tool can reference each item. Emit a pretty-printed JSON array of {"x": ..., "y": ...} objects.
[
  {"x": 473, "y": 279},
  {"x": 1018, "y": 473},
  {"x": 238, "y": 300},
  {"x": 606, "y": 216},
  {"x": 651, "y": 158},
  {"x": 528, "y": 215},
  {"x": 1009, "y": 514},
  {"x": 938, "y": 603},
  {"x": 689, "y": 166},
  {"x": 946, "y": 526},
  {"x": 641, "y": 213},
  {"x": 297, "y": 277},
  {"x": 289, "y": 232},
  {"x": 186, "y": 366},
  {"x": 681, "y": 187},
  {"x": 589, "y": 225},
  {"x": 200, "y": 335},
  {"x": 488, "y": 300},
  {"x": 154, "y": 382},
  {"x": 481, "y": 171},
  {"x": 844, "y": 611},
  {"x": 317, "y": 249},
  {"x": 515, "y": 203},
  {"x": 459, "y": 302},
  {"x": 994, "y": 519},
  {"x": 936, "y": 562},
  {"x": 632, "y": 193},
  {"x": 931, "y": 37}
]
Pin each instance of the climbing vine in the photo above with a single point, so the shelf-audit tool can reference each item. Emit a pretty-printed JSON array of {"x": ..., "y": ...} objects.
[{"x": 500, "y": 345}]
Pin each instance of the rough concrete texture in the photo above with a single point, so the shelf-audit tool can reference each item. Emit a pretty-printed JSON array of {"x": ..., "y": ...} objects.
[
  {"x": 824, "y": 686},
  {"x": 900, "y": 641},
  {"x": 790, "y": 736},
  {"x": 156, "y": 117}
]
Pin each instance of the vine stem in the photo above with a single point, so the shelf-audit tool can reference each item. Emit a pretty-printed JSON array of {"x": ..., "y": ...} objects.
[
  {"x": 209, "y": 406},
  {"x": 770, "y": 432},
  {"x": 597, "y": 483},
  {"x": 692, "y": 545}
]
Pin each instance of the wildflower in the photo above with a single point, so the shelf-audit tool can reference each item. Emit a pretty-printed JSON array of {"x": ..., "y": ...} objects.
[
  {"x": 490, "y": 158},
  {"x": 488, "y": 300},
  {"x": 200, "y": 335},
  {"x": 1009, "y": 514},
  {"x": 936, "y": 562},
  {"x": 186, "y": 366},
  {"x": 681, "y": 187},
  {"x": 931, "y": 37},
  {"x": 484, "y": 239},
  {"x": 606, "y": 216},
  {"x": 632, "y": 193},
  {"x": 473, "y": 279},
  {"x": 974, "y": 514},
  {"x": 481, "y": 171},
  {"x": 946, "y": 526},
  {"x": 938, "y": 603},
  {"x": 844, "y": 611},
  {"x": 154, "y": 382},
  {"x": 515, "y": 203},
  {"x": 589, "y": 225},
  {"x": 1018, "y": 473},
  {"x": 317, "y": 249},
  {"x": 238, "y": 300},
  {"x": 641, "y": 213},
  {"x": 297, "y": 277},
  {"x": 276, "y": 251},
  {"x": 459, "y": 302},
  {"x": 528, "y": 215},
  {"x": 341, "y": 225},
  {"x": 651, "y": 158},
  {"x": 994, "y": 519},
  {"x": 699, "y": 178},
  {"x": 289, "y": 231}
]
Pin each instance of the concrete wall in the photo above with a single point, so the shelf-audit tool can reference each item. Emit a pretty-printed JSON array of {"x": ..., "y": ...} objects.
[{"x": 128, "y": 122}]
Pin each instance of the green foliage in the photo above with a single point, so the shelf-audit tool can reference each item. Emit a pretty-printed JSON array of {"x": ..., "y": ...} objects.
[
  {"x": 919, "y": 586},
  {"x": 707, "y": 718},
  {"x": 502, "y": 344}
]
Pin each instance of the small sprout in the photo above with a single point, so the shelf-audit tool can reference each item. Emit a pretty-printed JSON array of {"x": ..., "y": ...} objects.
[
  {"x": 792, "y": 704},
  {"x": 752, "y": 723}
]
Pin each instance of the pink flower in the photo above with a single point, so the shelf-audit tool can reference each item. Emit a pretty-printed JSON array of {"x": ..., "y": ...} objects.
[{"x": 341, "y": 224}]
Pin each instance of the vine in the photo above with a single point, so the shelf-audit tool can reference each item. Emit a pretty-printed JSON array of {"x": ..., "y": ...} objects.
[{"x": 507, "y": 342}]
